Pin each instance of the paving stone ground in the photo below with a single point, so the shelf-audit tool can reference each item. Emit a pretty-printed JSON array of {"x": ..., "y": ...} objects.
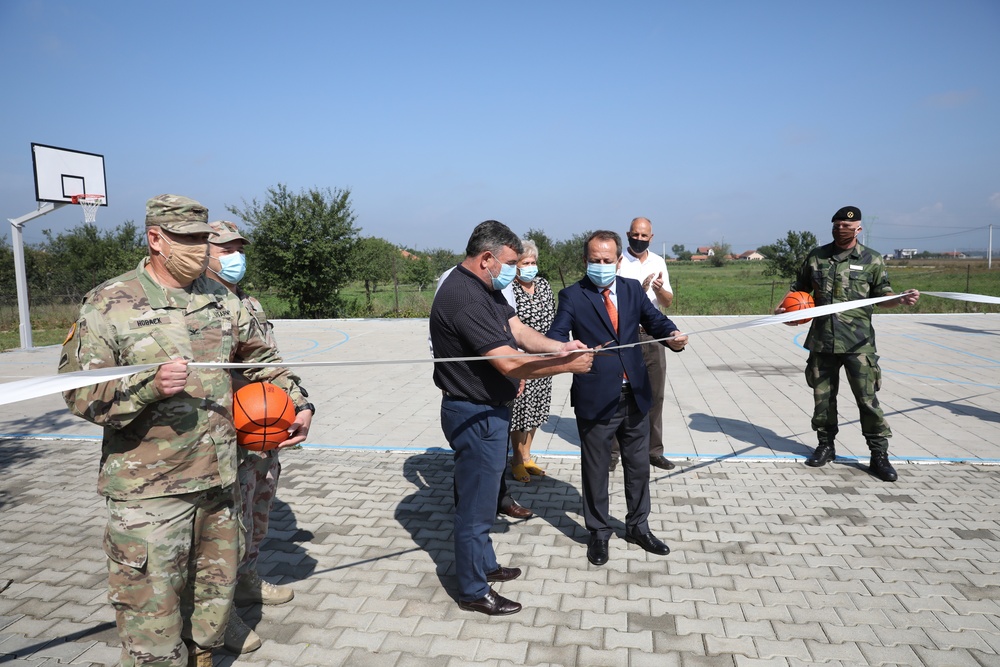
[{"x": 773, "y": 563}]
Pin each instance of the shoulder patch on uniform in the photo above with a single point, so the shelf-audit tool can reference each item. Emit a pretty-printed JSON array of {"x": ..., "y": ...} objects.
[{"x": 72, "y": 332}]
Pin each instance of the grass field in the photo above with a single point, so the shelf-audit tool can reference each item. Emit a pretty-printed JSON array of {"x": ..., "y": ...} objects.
[{"x": 738, "y": 288}]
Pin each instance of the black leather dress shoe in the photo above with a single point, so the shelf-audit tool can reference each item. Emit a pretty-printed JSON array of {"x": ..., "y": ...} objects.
[
  {"x": 502, "y": 574},
  {"x": 661, "y": 462},
  {"x": 649, "y": 542},
  {"x": 516, "y": 511},
  {"x": 612, "y": 465},
  {"x": 492, "y": 604},
  {"x": 597, "y": 552},
  {"x": 881, "y": 468},
  {"x": 823, "y": 455}
]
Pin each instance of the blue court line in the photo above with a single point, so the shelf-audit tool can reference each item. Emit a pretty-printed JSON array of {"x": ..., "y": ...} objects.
[
  {"x": 951, "y": 349},
  {"x": 310, "y": 353},
  {"x": 677, "y": 456}
]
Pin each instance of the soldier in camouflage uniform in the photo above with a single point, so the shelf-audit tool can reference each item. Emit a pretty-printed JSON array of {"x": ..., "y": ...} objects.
[
  {"x": 258, "y": 472},
  {"x": 168, "y": 460},
  {"x": 838, "y": 272}
]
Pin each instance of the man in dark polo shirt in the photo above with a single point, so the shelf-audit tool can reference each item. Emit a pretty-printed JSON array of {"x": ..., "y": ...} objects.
[{"x": 471, "y": 318}]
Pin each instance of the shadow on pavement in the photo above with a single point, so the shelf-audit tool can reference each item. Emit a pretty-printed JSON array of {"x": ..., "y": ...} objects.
[
  {"x": 552, "y": 500},
  {"x": 960, "y": 409},
  {"x": 282, "y": 556},
  {"x": 957, "y": 329},
  {"x": 758, "y": 438},
  {"x": 52, "y": 421},
  {"x": 427, "y": 513}
]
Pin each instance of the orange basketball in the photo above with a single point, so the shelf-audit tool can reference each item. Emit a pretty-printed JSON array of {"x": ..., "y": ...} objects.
[
  {"x": 797, "y": 301},
  {"x": 262, "y": 413}
]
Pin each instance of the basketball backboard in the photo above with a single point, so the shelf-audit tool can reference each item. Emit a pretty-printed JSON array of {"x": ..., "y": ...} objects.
[{"x": 61, "y": 173}]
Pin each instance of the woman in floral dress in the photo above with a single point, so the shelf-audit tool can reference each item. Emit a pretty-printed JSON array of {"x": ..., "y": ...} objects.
[{"x": 536, "y": 308}]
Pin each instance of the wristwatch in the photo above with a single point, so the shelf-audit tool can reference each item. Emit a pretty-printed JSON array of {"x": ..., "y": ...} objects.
[{"x": 307, "y": 406}]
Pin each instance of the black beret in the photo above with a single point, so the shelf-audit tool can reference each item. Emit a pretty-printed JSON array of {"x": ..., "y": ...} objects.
[{"x": 849, "y": 213}]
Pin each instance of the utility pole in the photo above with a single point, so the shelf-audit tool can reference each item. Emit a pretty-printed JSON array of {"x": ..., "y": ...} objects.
[{"x": 869, "y": 226}]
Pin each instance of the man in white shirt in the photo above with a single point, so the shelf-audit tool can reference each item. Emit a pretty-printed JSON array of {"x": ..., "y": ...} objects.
[{"x": 641, "y": 264}]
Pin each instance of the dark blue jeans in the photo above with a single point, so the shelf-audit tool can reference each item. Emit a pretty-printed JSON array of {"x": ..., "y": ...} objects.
[{"x": 478, "y": 435}]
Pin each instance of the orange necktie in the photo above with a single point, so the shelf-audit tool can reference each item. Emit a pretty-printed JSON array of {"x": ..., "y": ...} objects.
[
  {"x": 609, "y": 304},
  {"x": 612, "y": 312}
]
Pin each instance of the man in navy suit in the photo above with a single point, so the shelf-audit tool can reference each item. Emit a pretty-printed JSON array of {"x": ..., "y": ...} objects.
[{"x": 614, "y": 398}]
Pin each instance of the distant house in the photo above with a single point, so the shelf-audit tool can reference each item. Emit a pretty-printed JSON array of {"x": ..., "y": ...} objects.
[
  {"x": 700, "y": 257},
  {"x": 904, "y": 253},
  {"x": 750, "y": 255},
  {"x": 954, "y": 254},
  {"x": 705, "y": 250},
  {"x": 408, "y": 255}
]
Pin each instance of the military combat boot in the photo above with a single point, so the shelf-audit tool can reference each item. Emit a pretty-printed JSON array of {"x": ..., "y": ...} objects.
[
  {"x": 240, "y": 638},
  {"x": 200, "y": 657},
  {"x": 824, "y": 453},
  {"x": 881, "y": 468},
  {"x": 251, "y": 589}
]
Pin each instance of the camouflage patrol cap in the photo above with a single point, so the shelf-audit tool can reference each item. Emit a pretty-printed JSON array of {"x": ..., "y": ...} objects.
[
  {"x": 177, "y": 214},
  {"x": 224, "y": 232},
  {"x": 849, "y": 213}
]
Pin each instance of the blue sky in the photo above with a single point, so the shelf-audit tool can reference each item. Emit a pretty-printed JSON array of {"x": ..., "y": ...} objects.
[{"x": 720, "y": 121}]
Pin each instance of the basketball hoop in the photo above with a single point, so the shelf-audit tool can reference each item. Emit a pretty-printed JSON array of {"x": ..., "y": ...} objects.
[{"x": 90, "y": 204}]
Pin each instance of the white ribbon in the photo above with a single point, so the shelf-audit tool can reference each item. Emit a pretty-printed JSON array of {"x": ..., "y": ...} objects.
[
  {"x": 22, "y": 390},
  {"x": 962, "y": 296}
]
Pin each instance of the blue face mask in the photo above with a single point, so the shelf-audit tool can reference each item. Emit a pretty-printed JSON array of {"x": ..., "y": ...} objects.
[
  {"x": 601, "y": 275},
  {"x": 234, "y": 267},
  {"x": 528, "y": 273},
  {"x": 507, "y": 273}
]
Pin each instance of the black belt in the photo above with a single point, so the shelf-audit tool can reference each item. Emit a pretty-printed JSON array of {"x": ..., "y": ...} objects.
[{"x": 493, "y": 404}]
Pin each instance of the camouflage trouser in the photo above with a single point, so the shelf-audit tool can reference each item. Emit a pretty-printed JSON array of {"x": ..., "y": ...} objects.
[
  {"x": 171, "y": 572},
  {"x": 865, "y": 378},
  {"x": 258, "y": 474}
]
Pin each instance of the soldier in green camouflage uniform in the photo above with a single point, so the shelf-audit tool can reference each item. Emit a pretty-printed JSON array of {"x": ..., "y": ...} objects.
[
  {"x": 838, "y": 272},
  {"x": 168, "y": 461},
  {"x": 258, "y": 472}
]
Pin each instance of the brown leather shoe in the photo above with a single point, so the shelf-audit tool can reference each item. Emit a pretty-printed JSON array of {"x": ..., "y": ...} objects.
[
  {"x": 517, "y": 511},
  {"x": 502, "y": 574},
  {"x": 491, "y": 604}
]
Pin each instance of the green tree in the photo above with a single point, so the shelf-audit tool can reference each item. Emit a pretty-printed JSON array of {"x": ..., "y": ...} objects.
[
  {"x": 784, "y": 257},
  {"x": 372, "y": 263},
  {"x": 303, "y": 243},
  {"x": 8, "y": 283},
  {"x": 442, "y": 259},
  {"x": 720, "y": 253},
  {"x": 420, "y": 271},
  {"x": 71, "y": 263},
  {"x": 681, "y": 254},
  {"x": 568, "y": 254}
]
